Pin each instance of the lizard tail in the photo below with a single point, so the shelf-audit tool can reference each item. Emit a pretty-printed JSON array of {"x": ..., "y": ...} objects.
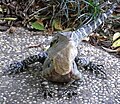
[{"x": 86, "y": 29}]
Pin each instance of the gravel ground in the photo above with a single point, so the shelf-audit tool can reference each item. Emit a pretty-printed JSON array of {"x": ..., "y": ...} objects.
[{"x": 26, "y": 88}]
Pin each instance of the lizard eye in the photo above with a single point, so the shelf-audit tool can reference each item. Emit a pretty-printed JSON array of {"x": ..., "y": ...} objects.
[
  {"x": 50, "y": 63},
  {"x": 54, "y": 42}
]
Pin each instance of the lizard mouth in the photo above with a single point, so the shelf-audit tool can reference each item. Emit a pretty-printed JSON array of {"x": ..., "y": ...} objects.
[{"x": 57, "y": 78}]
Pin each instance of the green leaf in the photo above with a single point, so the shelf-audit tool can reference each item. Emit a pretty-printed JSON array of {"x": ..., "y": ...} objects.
[
  {"x": 116, "y": 40},
  {"x": 116, "y": 44},
  {"x": 116, "y": 35},
  {"x": 38, "y": 25},
  {"x": 1, "y": 10},
  {"x": 57, "y": 25}
]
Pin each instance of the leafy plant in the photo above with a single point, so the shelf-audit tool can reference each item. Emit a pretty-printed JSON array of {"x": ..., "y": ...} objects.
[
  {"x": 64, "y": 14},
  {"x": 38, "y": 25}
]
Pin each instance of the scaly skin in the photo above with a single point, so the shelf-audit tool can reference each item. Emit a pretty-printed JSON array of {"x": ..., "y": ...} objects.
[
  {"x": 57, "y": 67},
  {"x": 60, "y": 61}
]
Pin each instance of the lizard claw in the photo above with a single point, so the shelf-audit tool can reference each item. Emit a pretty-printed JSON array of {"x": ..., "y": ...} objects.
[
  {"x": 71, "y": 94},
  {"x": 46, "y": 90},
  {"x": 97, "y": 69},
  {"x": 47, "y": 94}
]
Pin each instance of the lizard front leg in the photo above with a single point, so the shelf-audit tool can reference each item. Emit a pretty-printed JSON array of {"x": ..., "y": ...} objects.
[
  {"x": 16, "y": 67},
  {"x": 19, "y": 66},
  {"x": 87, "y": 64}
]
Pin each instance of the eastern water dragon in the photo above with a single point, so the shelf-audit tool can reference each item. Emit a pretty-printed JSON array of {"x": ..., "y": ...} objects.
[{"x": 60, "y": 61}]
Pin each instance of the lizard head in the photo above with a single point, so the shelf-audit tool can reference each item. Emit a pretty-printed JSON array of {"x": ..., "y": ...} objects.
[{"x": 62, "y": 52}]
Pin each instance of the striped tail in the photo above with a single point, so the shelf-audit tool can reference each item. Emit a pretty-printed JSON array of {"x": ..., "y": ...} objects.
[{"x": 86, "y": 29}]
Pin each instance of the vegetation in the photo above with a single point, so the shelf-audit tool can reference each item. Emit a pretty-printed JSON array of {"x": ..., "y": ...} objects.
[{"x": 51, "y": 15}]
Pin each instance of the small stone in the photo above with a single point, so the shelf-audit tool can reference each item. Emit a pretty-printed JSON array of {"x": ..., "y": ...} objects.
[
  {"x": 35, "y": 102},
  {"x": 30, "y": 103},
  {"x": 43, "y": 103},
  {"x": 45, "y": 83},
  {"x": 13, "y": 93},
  {"x": 18, "y": 102}
]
